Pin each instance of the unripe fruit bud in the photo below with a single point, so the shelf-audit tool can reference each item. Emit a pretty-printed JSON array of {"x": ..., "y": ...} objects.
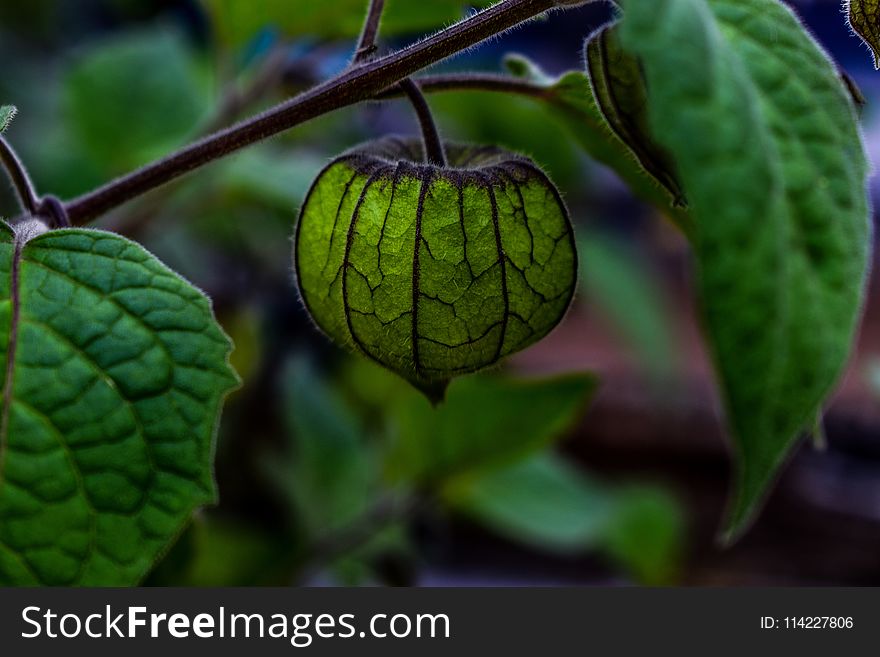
[{"x": 434, "y": 271}]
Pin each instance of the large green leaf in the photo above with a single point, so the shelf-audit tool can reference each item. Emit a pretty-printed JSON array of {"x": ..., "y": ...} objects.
[
  {"x": 484, "y": 422},
  {"x": 237, "y": 21},
  {"x": 114, "y": 374},
  {"x": 770, "y": 156},
  {"x": 7, "y": 113}
]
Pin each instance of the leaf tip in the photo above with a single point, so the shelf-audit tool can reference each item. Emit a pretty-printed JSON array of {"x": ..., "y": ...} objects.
[{"x": 7, "y": 114}]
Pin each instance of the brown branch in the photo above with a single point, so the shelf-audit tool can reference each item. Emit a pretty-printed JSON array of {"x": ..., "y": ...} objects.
[{"x": 352, "y": 86}]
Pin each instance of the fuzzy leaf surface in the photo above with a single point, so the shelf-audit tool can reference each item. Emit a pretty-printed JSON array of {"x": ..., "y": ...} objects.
[
  {"x": 770, "y": 156},
  {"x": 114, "y": 373}
]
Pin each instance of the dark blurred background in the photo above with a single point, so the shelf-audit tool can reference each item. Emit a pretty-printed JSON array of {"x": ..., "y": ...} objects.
[{"x": 331, "y": 471}]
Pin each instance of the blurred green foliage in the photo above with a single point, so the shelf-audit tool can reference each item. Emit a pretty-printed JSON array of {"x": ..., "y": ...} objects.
[
  {"x": 135, "y": 97},
  {"x": 483, "y": 422},
  {"x": 237, "y": 21},
  {"x": 356, "y": 457},
  {"x": 626, "y": 292}
]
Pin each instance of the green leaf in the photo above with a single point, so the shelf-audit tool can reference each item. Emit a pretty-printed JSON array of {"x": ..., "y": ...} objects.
[
  {"x": 329, "y": 474},
  {"x": 626, "y": 292},
  {"x": 237, "y": 21},
  {"x": 135, "y": 98},
  {"x": 864, "y": 19},
  {"x": 646, "y": 533},
  {"x": 571, "y": 103},
  {"x": 619, "y": 89},
  {"x": 114, "y": 375},
  {"x": 216, "y": 551},
  {"x": 771, "y": 159},
  {"x": 7, "y": 113},
  {"x": 484, "y": 422},
  {"x": 268, "y": 177},
  {"x": 546, "y": 503},
  {"x": 541, "y": 501},
  {"x": 434, "y": 272}
]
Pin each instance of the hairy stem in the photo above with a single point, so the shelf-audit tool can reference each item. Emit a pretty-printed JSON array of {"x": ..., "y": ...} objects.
[
  {"x": 434, "y": 152},
  {"x": 350, "y": 87},
  {"x": 367, "y": 43},
  {"x": 21, "y": 181}
]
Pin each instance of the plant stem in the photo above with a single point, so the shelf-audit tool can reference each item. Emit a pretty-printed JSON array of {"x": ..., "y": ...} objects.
[
  {"x": 350, "y": 87},
  {"x": 430, "y": 135},
  {"x": 21, "y": 181},
  {"x": 367, "y": 43},
  {"x": 434, "y": 152}
]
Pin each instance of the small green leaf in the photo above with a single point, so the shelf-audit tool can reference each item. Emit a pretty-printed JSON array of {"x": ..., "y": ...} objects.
[
  {"x": 646, "y": 533},
  {"x": 329, "y": 474},
  {"x": 541, "y": 501},
  {"x": 864, "y": 19},
  {"x": 485, "y": 422},
  {"x": 619, "y": 88},
  {"x": 7, "y": 113},
  {"x": 135, "y": 98},
  {"x": 114, "y": 374},
  {"x": 770, "y": 155},
  {"x": 434, "y": 272},
  {"x": 546, "y": 503}
]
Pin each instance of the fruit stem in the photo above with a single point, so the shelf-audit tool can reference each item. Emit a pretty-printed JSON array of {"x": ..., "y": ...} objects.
[{"x": 434, "y": 151}]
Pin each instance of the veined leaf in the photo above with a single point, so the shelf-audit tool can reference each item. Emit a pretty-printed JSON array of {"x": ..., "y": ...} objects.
[
  {"x": 114, "y": 373},
  {"x": 770, "y": 156},
  {"x": 7, "y": 113},
  {"x": 864, "y": 19}
]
